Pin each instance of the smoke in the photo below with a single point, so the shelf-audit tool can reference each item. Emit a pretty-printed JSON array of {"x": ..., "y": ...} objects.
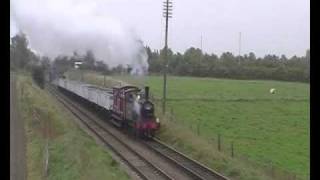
[
  {"x": 140, "y": 66},
  {"x": 61, "y": 27},
  {"x": 136, "y": 106}
]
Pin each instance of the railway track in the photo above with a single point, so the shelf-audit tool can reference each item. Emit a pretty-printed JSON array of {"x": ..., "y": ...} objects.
[
  {"x": 138, "y": 163},
  {"x": 194, "y": 168},
  {"x": 144, "y": 167}
]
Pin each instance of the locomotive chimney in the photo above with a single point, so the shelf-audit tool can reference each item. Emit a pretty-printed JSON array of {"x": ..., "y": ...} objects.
[{"x": 147, "y": 92}]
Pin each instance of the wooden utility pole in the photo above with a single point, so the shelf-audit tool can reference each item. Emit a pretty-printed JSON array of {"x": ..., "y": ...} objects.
[
  {"x": 239, "y": 48},
  {"x": 201, "y": 43},
  {"x": 167, "y": 5}
]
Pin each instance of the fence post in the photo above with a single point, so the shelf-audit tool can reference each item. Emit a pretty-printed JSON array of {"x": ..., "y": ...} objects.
[
  {"x": 198, "y": 127},
  {"x": 22, "y": 89},
  {"x": 46, "y": 159},
  {"x": 47, "y": 127},
  {"x": 272, "y": 170},
  {"x": 219, "y": 145},
  {"x": 232, "y": 149},
  {"x": 294, "y": 177}
]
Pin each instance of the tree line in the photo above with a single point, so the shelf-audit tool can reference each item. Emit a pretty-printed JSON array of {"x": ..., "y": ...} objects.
[
  {"x": 23, "y": 58},
  {"x": 193, "y": 62}
]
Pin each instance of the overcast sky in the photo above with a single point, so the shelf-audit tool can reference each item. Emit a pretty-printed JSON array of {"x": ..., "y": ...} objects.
[{"x": 267, "y": 26}]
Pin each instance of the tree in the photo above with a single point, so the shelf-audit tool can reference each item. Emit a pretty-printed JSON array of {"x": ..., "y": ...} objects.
[
  {"x": 193, "y": 53},
  {"x": 45, "y": 63},
  {"x": 20, "y": 52},
  {"x": 283, "y": 58},
  {"x": 162, "y": 60},
  {"x": 192, "y": 58},
  {"x": 34, "y": 59},
  {"x": 154, "y": 61},
  {"x": 102, "y": 67},
  {"x": 307, "y": 71},
  {"x": 308, "y": 55},
  {"x": 252, "y": 56},
  {"x": 38, "y": 76},
  {"x": 12, "y": 64},
  {"x": 61, "y": 64},
  {"x": 119, "y": 69},
  {"x": 149, "y": 53},
  {"x": 162, "y": 54},
  {"x": 228, "y": 58},
  {"x": 89, "y": 60},
  {"x": 227, "y": 64}
]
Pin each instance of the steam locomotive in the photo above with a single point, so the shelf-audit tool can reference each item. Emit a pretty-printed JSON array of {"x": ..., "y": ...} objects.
[{"x": 128, "y": 106}]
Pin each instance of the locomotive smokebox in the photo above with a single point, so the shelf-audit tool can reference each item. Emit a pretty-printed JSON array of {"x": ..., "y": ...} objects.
[{"x": 146, "y": 90}]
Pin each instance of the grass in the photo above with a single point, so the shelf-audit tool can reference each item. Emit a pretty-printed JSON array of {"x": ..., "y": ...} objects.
[
  {"x": 72, "y": 153},
  {"x": 281, "y": 138},
  {"x": 268, "y": 129}
]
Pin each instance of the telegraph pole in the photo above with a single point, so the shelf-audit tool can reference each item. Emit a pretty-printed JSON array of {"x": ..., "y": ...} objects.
[
  {"x": 167, "y": 8},
  {"x": 201, "y": 48},
  {"x": 239, "y": 47},
  {"x": 201, "y": 43}
]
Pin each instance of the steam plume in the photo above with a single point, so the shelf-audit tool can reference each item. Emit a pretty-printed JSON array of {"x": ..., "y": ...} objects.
[{"x": 61, "y": 27}]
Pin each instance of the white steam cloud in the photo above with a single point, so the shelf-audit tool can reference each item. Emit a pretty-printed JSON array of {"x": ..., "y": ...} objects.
[
  {"x": 60, "y": 27},
  {"x": 136, "y": 106}
]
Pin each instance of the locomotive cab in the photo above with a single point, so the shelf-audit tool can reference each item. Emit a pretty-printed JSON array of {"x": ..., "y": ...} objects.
[{"x": 133, "y": 109}]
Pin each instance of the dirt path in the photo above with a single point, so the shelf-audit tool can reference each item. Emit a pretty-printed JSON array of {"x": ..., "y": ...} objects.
[{"x": 17, "y": 137}]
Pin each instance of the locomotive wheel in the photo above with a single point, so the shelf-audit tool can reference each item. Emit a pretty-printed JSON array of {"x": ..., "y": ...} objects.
[
  {"x": 147, "y": 133},
  {"x": 152, "y": 133}
]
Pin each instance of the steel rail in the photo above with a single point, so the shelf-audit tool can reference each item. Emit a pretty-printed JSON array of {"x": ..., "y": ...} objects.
[
  {"x": 156, "y": 171},
  {"x": 193, "y": 167}
]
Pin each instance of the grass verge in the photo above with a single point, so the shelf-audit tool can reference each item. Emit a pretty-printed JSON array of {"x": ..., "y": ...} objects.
[{"x": 72, "y": 153}]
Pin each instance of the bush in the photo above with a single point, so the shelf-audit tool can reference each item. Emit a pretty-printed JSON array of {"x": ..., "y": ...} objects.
[{"x": 38, "y": 76}]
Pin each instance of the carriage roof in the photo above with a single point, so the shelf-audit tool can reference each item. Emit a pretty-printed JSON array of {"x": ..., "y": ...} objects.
[{"x": 127, "y": 88}]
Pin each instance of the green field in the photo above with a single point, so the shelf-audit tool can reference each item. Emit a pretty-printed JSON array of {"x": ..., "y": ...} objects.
[{"x": 266, "y": 128}]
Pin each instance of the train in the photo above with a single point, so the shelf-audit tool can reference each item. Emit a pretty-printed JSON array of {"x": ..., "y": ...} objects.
[{"x": 128, "y": 107}]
